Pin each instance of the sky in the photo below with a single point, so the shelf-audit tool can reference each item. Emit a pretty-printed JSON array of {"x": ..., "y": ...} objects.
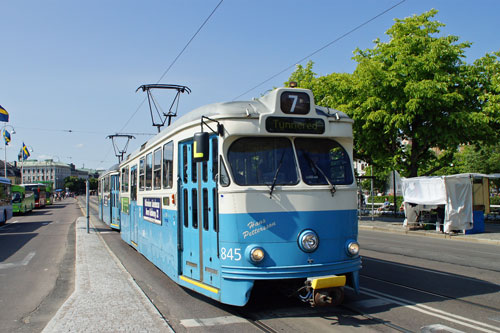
[{"x": 69, "y": 69}]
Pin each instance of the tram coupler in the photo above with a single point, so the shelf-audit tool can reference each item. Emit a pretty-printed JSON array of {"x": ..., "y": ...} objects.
[{"x": 323, "y": 291}]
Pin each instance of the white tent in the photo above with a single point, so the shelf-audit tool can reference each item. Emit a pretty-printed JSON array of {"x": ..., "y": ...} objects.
[{"x": 455, "y": 192}]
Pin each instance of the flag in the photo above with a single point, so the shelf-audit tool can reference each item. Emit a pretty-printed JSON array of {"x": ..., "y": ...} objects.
[
  {"x": 4, "y": 115},
  {"x": 6, "y": 136},
  {"x": 26, "y": 152}
]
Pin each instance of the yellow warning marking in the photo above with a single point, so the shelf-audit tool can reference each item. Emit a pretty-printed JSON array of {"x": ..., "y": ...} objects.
[
  {"x": 199, "y": 284},
  {"x": 196, "y": 154},
  {"x": 328, "y": 282}
]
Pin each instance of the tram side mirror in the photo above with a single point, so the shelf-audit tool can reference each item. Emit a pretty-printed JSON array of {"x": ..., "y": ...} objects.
[{"x": 201, "y": 147}]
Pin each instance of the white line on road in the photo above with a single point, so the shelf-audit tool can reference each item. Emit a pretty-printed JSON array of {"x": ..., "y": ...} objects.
[
  {"x": 199, "y": 322},
  {"x": 23, "y": 262},
  {"x": 480, "y": 326},
  {"x": 10, "y": 223}
]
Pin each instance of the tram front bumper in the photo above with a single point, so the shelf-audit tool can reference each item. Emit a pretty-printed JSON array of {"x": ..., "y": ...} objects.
[
  {"x": 327, "y": 282},
  {"x": 324, "y": 290}
]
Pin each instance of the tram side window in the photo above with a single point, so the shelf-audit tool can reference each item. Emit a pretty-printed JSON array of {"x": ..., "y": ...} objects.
[
  {"x": 133, "y": 183},
  {"x": 168, "y": 164},
  {"x": 106, "y": 184},
  {"x": 157, "y": 169},
  {"x": 215, "y": 158},
  {"x": 323, "y": 157},
  {"x": 125, "y": 179},
  {"x": 142, "y": 174},
  {"x": 262, "y": 161},
  {"x": 224, "y": 177},
  {"x": 5, "y": 196},
  {"x": 149, "y": 171}
]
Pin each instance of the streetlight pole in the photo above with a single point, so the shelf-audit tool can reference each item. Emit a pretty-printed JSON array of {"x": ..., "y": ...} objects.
[{"x": 5, "y": 148}]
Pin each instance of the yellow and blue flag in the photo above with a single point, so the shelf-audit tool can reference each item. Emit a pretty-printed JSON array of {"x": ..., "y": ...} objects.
[
  {"x": 6, "y": 136},
  {"x": 4, "y": 115},
  {"x": 26, "y": 152}
]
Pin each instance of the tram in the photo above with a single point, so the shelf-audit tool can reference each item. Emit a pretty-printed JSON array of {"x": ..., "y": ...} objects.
[
  {"x": 109, "y": 197},
  {"x": 242, "y": 193},
  {"x": 5, "y": 200}
]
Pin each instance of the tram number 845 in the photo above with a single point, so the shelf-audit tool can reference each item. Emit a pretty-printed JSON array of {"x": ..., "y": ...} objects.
[{"x": 231, "y": 254}]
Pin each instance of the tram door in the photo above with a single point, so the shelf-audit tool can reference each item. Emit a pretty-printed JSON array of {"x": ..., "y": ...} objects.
[
  {"x": 115, "y": 200},
  {"x": 134, "y": 209},
  {"x": 198, "y": 212}
]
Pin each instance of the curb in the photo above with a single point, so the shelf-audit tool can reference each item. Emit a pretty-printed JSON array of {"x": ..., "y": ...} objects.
[{"x": 462, "y": 238}]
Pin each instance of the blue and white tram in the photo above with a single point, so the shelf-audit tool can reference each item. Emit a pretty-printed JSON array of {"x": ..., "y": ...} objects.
[
  {"x": 265, "y": 192},
  {"x": 109, "y": 197}
]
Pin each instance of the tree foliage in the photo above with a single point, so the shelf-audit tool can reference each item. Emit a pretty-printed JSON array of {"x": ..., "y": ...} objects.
[{"x": 413, "y": 99}]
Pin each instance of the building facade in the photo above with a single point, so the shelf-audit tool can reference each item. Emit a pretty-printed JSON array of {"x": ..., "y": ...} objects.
[{"x": 47, "y": 170}]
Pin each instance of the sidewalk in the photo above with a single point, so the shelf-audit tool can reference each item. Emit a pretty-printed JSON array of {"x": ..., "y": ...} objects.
[
  {"x": 395, "y": 224},
  {"x": 106, "y": 298}
]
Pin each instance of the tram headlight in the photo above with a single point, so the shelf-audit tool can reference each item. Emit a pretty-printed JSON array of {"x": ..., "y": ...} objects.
[
  {"x": 255, "y": 254},
  {"x": 352, "y": 248},
  {"x": 308, "y": 241}
]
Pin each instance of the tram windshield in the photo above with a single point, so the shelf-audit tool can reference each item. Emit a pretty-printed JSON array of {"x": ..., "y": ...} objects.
[
  {"x": 263, "y": 161},
  {"x": 320, "y": 158},
  {"x": 271, "y": 161}
]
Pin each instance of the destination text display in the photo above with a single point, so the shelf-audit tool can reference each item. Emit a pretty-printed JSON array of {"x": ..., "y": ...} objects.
[{"x": 295, "y": 125}]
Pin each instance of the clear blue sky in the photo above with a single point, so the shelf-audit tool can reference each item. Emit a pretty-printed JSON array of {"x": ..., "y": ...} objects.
[{"x": 75, "y": 65}]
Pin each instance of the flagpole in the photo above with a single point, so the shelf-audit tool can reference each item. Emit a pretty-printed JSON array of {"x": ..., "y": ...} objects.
[
  {"x": 5, "y": 145},
  {"x": 5, "y": 157}
]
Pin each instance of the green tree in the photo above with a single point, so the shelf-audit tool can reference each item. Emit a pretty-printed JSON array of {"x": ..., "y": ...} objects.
[
  {"x": 412, "y": 95},
  {"x": 413, "y": 99},
  {"x": 75, "y": 184}
]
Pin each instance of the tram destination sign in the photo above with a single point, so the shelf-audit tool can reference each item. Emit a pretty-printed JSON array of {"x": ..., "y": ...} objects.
[{"x": 297, "y": 125}]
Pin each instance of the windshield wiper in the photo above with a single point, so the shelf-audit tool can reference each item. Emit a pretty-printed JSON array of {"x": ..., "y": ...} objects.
[
  {"x": 332, "y": 187},
  {"x": 276, "y": 175}
]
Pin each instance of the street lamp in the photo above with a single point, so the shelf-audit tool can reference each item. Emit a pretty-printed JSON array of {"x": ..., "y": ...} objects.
[{"x": 5, "y": 146}]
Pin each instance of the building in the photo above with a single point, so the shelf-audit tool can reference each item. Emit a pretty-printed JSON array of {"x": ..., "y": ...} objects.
[
  {"x": 47, "y": 170},
  {"x": 13, "y": 173}
]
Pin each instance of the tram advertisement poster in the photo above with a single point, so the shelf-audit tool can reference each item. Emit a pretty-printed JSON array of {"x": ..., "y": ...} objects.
[
  {"x": 152, "y": 210},
  {"x": 125, "y": 205}
]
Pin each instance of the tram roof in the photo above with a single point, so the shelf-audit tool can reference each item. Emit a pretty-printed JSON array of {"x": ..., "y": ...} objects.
[{"x": 236, "y": 109}]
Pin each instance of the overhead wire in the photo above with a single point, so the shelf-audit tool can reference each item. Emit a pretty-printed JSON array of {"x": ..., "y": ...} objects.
[
  {"x": 321, "y": 48},
  {"x": 170, "y": 66},
  {"x": 175, "y": 60}
]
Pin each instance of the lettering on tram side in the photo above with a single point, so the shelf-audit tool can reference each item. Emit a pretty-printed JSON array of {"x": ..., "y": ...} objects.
[
  {"x": 255, "y": 227},
  {"x": 151, "y": 210}
]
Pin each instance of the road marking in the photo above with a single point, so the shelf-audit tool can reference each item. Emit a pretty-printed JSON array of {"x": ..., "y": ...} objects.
[
  {"x": 199, "y": 322},
  {"x": 480, "y": 326},
  {"x": 439, "y": 328},
  {"x": 6, "y": 225},
  {"x": 23, "y": 262}
]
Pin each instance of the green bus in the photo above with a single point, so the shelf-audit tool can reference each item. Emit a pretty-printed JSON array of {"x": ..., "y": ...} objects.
[
  {"x": 49, "y": 191},
  {"x": 23, "y": 200}
]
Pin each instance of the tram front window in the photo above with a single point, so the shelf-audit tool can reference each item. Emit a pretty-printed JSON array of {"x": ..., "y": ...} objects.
[
  {"x": 263, "y": 161},
  {"x": 320, "y": 158}
]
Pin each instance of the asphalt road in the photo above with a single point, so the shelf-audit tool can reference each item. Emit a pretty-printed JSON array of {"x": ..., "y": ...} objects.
[{"x": 36, "y": 266}]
